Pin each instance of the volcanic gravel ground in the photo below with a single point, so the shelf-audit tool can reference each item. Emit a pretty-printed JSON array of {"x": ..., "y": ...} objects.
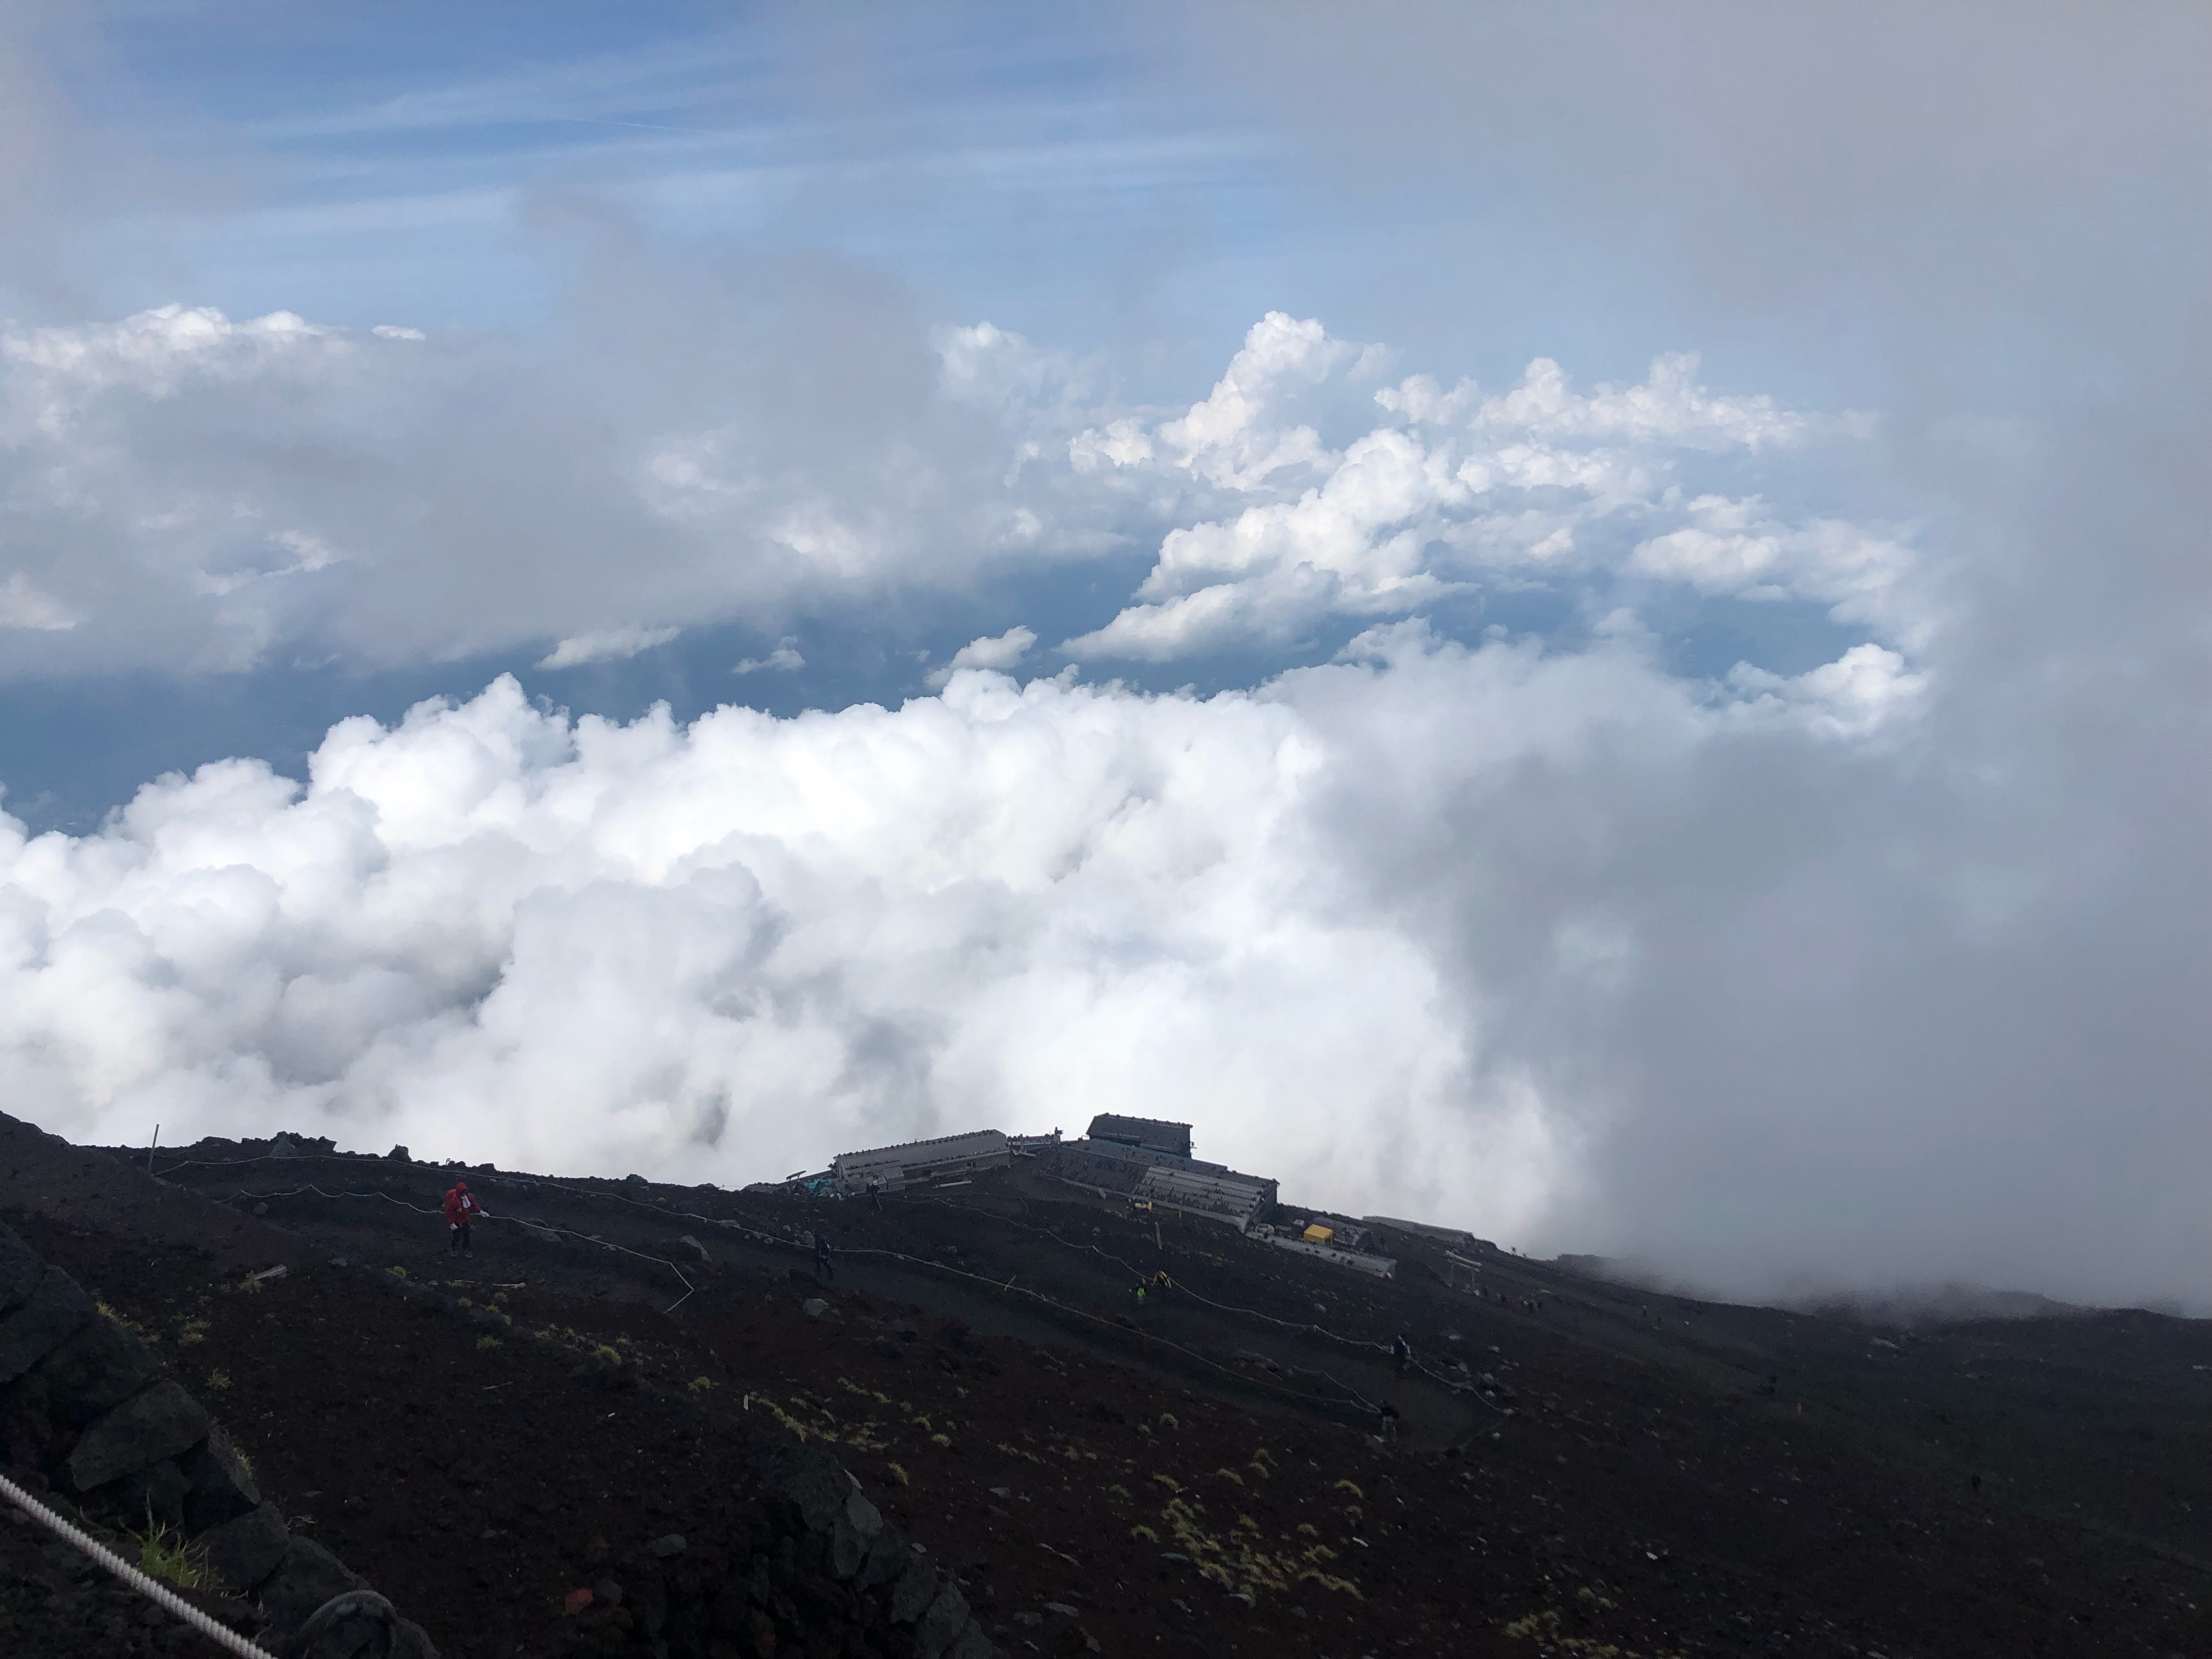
[{"x": 1615, "y": 1473}]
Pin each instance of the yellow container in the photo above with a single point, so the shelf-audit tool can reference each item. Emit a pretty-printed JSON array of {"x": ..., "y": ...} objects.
[{"x": 1317, "y": 1234}]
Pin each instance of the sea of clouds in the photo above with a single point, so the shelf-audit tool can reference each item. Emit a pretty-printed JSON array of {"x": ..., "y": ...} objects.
[{"x": 1543, "y": 934}]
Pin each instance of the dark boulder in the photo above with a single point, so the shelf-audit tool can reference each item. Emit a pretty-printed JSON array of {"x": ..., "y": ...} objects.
[
  {"x": 20, "y": 1270},
  {"x": 95, "y": 1370},
  {"x": 916, "y": 1590},
  {"x": 245, "y": 1550},
  {"x": 156, "y": 1494},
  {"x": 54, "y": 1310},
  {"x": 160, "y": 1422},
  {"x": 222, "y": 1487},
  {"x": 947, "y": 1616},
  {"x": 308, "y": 1576},
  {"x": 357, "y": 1625}
]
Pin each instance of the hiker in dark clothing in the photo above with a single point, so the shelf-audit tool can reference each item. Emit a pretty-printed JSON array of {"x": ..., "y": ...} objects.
[
  {"x": 876, "y": 1196},
  {"x": 1161, "y": 1283},
  {"x": 1389, "y": 1421},
  {"x": 1402, "y": 1352},
  {"x": 823, "y": 1268}
]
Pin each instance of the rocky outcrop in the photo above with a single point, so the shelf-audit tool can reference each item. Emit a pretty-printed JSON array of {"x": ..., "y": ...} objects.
[{"x": 85, "y": 1412}]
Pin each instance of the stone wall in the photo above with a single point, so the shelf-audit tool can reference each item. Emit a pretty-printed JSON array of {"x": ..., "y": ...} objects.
[{"x": 88, "y": 1417}]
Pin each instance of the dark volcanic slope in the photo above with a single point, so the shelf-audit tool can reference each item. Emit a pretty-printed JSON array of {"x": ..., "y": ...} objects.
[{"x": 1641, "y": 1476}]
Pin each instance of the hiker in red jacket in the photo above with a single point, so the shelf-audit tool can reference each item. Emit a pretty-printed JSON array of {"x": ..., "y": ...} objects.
[{"x": 461, "y": 1210}]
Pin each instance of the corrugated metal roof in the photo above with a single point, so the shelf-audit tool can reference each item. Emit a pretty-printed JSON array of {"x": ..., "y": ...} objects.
[
  {"x": 977, "y": 1143},
  {"x": 1155, "y": 1133},
  {"x": 1234, "y": 1198}
]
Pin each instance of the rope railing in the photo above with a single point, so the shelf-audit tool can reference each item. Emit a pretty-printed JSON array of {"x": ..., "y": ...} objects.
[{"x": 160, "y": 1593}]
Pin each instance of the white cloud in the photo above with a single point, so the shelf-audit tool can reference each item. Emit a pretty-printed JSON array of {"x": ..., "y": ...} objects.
[
  {"x": 605, "y": 645},
  {"x": 23, "y": 605},
  {"x": 783, "y": 659},
  {"x": 477, "y": 493},
  {"x": 206, "y": 491},
  {"x": 1461, "y": 487},
  {"x": 997, "y": 653},
  {"x": 755, "y": 942},
  {"x": 1451, "y": 930},
  {"x": 752, "y": 943}
]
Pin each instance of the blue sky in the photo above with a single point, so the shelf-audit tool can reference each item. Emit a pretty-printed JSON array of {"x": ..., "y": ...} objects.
[
  {"x": 1597, "y": 602},
  {"x": 1107, "y": 189}
]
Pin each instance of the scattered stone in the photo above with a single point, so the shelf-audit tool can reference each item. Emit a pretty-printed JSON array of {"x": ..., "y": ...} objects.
[
  {"x": 261, "y": 1209},
  {"x": 399, "y": 1155},
  {"x": 694, "y": 1245},
  {"x": 971, "y": 1644},
  {"x": 1062, "y": 1608},
  {"x": 1030, "y": 1621},
  {"x": 608, "y": 1591},
  {"x": 160, "y": 1422},
  {"x": 574, "y": 1602},
  {"x": 668, "y": 1546},
  {"x": 814, "y": 1307}
]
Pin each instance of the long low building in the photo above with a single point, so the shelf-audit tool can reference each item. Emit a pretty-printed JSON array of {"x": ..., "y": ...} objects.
[
  {"x": 1222, "y": 1195},
  {"x": 1382, "y": 1266},
  {"x": 1153, "y": 1134},
  {"x": 920, "y": 1160},
  {"x": 1153, "y": 1176}
]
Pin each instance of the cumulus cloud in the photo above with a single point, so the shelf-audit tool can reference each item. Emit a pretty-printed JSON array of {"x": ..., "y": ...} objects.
[
  {"x": 605, "y": 645},
  {"x": 22, "y": 605},
  {"x": 783, "y": 659},
  {"x": 1378, "y": 927},
  {"x": 1001, "y": 653},
  {"x": 187, "y": 490},
  {"x": 1465, "y": 489}
]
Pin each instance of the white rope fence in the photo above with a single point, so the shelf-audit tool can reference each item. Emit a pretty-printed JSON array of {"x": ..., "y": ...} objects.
[{"x": 166, "y": 1599}]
